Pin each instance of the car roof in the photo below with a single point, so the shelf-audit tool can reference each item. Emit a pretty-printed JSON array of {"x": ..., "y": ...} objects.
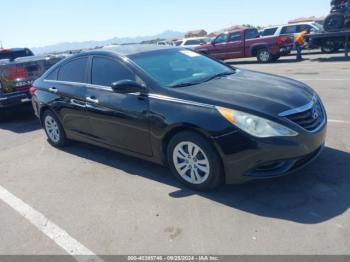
[
  {"x": 195, "y": 38},
  {"x": 300, "y": 23},
  {"x": 127, "y": 50}
]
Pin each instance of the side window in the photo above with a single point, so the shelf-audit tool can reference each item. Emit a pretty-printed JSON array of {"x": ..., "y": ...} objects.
[
  {"x": 289, "y": 30},
  {"x": 74, "y": 71},
  {"x": 52, "y": 75},
  {"x": 221, "y": 39},
  {"x": 235, "y": 37},
  {"x": 107, "y": 71},
  {"x": 302, "y": 28},
  {"x": 252, "y": 34}
]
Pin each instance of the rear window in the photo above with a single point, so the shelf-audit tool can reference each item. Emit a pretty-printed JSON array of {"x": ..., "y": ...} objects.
[
  {"x": 12, "y": 55},
  {"x": 269, "y": 31}
]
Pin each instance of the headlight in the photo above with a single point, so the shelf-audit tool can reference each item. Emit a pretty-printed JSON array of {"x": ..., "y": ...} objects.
[{"x": 254, "y": 125}]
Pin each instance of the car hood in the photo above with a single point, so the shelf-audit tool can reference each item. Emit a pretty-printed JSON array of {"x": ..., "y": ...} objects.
[{"x": 251, "y": 91}]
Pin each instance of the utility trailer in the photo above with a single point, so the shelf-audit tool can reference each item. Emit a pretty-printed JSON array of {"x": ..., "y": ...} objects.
[{"x": 331, "y": 42}]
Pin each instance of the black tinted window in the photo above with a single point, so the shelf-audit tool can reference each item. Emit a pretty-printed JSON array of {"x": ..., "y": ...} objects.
[
  {"x": 235, "y": 37},
  {"x": 251, "y": 34},
  {"x": 74, "y": 71},
  {"x": 289, "y": 30},
  {"x": 52, "y": 75},
  {"x": 269, "y": 31},
  {"x": 302, "y": 28},
  {"x": 107, "y": 71}
]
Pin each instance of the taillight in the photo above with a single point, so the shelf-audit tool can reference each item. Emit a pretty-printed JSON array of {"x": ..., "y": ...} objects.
[{"x": 32, "y": 90}]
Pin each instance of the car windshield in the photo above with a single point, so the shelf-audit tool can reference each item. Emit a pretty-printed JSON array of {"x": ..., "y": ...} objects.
[
  {"x": 179, "y": 67},
  {"x": 318, "y": 26}
]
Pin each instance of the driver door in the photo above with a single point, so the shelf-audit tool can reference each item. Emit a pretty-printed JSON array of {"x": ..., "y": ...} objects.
[
  {"x": 117, "y": 120},
  {"x": 220, "y": 47}
]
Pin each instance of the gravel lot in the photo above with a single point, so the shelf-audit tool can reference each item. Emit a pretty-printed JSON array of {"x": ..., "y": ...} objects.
[{"x": 114, "y": 204}]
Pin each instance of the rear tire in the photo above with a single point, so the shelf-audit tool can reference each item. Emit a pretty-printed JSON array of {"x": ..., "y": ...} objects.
[
  {"x": 329, "y": 47},
  {"x": 334, "y": 22},
  {"x": 194, "y": 161},
  {"x": 54, "y": 130},
  {"x": 329, "y": 50},
  {"x": 264, "y": 56}
]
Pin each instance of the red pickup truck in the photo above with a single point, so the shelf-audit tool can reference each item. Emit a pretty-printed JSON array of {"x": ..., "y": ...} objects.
[{"x": 247, "y": 43}]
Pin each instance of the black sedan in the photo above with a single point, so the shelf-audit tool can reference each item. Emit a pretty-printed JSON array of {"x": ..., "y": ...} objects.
[{"x": 208, "y": 122}]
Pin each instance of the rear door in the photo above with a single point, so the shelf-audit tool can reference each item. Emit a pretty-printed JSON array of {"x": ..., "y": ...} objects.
[
  {"x": 117, "y": 120},
  {"x": 68, "y": 84}
]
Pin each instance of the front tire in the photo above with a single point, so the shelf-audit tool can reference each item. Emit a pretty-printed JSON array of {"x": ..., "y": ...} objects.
[
  {"x": 194, "y": 162},
  {"x": 264, "y": 56},
  {"x": 54, "y": 130}
]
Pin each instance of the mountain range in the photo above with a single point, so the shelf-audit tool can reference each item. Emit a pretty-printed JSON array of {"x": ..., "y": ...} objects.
[{"x": 64, "y": 46}]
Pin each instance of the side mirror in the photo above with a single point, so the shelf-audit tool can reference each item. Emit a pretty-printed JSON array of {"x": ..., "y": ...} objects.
[{"x": 128, "y": 87}]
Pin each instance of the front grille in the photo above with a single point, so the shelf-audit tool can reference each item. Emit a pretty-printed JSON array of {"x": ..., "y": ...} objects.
[{"x": 310, "y": 117}]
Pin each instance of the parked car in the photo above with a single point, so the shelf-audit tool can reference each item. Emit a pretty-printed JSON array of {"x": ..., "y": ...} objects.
[
  {"x": 18, "y": 70},
  {"x": 291, "y": 29},
  {"x": 247, "y": 43},
  {"x": 192, "y": 43},
  {"x": 14, "y": 53},
  {"x": 208, "y": 122},
  {"x": 164, "y": 43}
]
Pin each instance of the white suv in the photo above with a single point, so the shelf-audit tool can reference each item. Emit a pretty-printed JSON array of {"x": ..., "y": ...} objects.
[
  {"x": 192, "y": 43},
  {"x": 291, "y": 29}
]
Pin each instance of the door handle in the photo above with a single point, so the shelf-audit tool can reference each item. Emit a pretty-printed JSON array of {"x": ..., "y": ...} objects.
[
  {"x": 53, "y": 90},
  {"x": 92, "y": 99},
  {"x": 78, "y": 103}
]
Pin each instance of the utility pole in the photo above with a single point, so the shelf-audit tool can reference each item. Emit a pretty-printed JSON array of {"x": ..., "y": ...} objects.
[{"x": 1, "y": 47}]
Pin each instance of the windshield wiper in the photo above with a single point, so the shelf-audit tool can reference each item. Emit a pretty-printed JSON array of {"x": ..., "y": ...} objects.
[
  {"x": 184, "y": 84},
  {"x": 219, "y": 75}
]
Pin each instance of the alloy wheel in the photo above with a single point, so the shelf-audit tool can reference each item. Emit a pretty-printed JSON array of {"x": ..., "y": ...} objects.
[
  {"x": 52, "y": 129},
  {"x": 264, "y": 56},
  {"x": 191, "y": 163}
]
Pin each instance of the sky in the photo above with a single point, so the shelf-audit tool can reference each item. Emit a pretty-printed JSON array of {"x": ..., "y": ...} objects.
[{"x": 36, "y": 23}]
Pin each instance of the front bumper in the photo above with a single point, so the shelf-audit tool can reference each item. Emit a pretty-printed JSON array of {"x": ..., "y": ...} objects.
[
  {"x": 14, "y": 99},
  {"x": 246, "y": 158}
]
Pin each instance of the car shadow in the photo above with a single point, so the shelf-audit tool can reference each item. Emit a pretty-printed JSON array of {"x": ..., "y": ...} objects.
[
  {"x": 19, "y": 120},
  {"x": 331, "y": 59},
  {"x": 314, "y": 195}
]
